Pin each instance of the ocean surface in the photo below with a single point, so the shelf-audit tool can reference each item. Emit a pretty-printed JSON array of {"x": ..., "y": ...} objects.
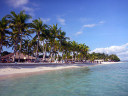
[{"x": 101, "y": 80}]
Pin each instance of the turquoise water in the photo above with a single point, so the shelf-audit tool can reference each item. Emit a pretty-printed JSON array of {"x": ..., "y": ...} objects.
[{"x": 102, "y": 80}]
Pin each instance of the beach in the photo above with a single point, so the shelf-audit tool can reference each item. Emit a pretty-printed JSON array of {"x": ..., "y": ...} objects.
[
  {"x": 17, "y": 70},
  {"x": 11, "y": 70},
  {"x": 110, "y": 62}
]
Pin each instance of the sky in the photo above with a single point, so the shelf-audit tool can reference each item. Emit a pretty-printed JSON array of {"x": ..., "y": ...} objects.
[{"x": 100, "y": 24}]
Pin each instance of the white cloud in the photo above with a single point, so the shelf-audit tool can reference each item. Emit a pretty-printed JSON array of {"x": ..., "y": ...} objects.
[
  {"x": 78, "y": 33},
  {"x": 121, "y": 51},
  {"x": 45, "y": 20},
  {"x": 17, "y": 3},
  {"x": 89, "y": 25},
  {"x": 82, "y": 28},
  {"x": 29, "y": 10},
  {"x": 23, "y": 4},
  {"x": 61, "y": 20},
  {"x": 101, "y": 22}
]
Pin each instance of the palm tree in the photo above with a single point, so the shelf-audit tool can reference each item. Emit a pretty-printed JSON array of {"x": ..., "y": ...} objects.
[
  {"x": 27, "y": 48},
  {"x": 37, "y": 27},
  {"x": 18, "y": 21},
  {"x": 66, "y": 49},
  {"x": 33, "y": 46},
  {"x": 44, "y": 37},
  {"x": 92, "y": 57},
  {"x": 56, "y": 49},
  {"x": 77, "y": 51},
  {"x": 63, "y": 47},
  {"x": 53, "y": 34},
  {"x": 74, "y": 47},
  {"x": 14, "y": 40},
  {"x": 3, "y": 33},
  {"x": 83, "y": 51},
  {"x": 61, "y": 38}
]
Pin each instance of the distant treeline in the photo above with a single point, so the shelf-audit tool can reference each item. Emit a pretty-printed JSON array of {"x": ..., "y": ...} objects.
[{"x": 104, "y": 56}]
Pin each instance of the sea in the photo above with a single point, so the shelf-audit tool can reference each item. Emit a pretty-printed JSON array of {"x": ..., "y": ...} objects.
[{"x": 99, "y": 80}]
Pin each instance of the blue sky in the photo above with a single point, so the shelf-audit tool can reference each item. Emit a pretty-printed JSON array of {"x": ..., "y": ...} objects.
[{"x": 97, "y": 23}]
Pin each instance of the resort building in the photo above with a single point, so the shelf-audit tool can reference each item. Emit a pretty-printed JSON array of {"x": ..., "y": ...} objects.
[{"x": 23, "y": 58}]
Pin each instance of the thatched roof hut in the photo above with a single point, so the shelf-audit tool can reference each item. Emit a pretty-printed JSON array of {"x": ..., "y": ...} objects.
[{"x": 22, "y": 57}]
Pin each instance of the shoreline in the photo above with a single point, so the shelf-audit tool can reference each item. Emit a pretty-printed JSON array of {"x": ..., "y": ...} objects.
[
  {"x": 25, "y": 72},
  {"x": 110, "y": 62},
  {"x": 19, "y": 70}
]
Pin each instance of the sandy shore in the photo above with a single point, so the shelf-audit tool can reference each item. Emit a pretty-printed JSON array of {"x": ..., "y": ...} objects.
[
  {"x": 11, "y": 70},
  {"x": 110, "y": 62},
  {"x": 26, "y": 69}
]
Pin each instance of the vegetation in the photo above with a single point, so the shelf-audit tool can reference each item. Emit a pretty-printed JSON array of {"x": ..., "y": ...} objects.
[
  {"x": 19, "y": 27},
  {"x": 103, "y": 56},
  {"x": 38, "y": 38},
  {"x": 114, "y": 58},
  {"x": 3, "y": 33}
]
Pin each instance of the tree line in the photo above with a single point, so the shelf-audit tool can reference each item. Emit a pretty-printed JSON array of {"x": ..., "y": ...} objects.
[
  {"x": 104, "y": 57},
  {"x": 36, "y": 37}
]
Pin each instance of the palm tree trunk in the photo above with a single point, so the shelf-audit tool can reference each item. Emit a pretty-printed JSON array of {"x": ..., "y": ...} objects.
[
  {"x": 77, "y": 56},
  {"x": 58, "y": 56},
  {"x": 14, "y": 57},
  {"x": 0, "y": 48},
  {"x": 37, "y": 47},
  {"x": 58, "y": 53},
  {"x": 45, "y": 51},
  {"x": 85, "y": 58},
  {"x": 28, "y": 50},
  {"x": 43, "y": 46},
  {"x": 53, "y": 50},
  {"x": 51, "y": 57},
  {"x": 20, "y": 45},
  {"x": 15, "y": 48},
  {"x": 72, "y": 58},
  {"x": 66, "y": 57},
  {"x": 62, "y": 55},
  {"x": 20, "y": 49}
]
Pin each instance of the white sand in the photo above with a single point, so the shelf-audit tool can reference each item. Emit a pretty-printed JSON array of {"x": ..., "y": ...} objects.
[
  {"x": 10, "y": 71},
  {"x": 110, "y": 62}
]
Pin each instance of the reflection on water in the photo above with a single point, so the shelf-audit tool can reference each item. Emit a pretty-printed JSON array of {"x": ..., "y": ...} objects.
[{"x": 103, "y": 80}]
